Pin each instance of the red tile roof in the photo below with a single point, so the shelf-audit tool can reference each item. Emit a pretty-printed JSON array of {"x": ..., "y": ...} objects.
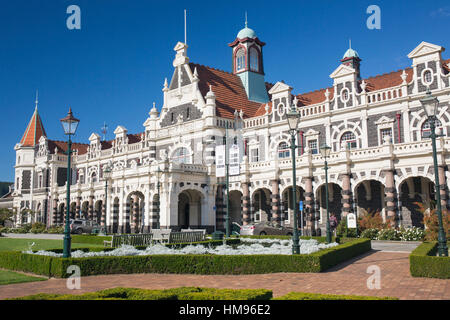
[
  {"x": 35, "y": 130},
  {"x": 229, "y": 91},
  {"x": 62, "y": 147},
  {"x": 375, "y": 83}
]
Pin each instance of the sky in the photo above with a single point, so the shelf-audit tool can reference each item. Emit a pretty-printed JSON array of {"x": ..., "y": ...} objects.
[{"x": 113, "y": 68}]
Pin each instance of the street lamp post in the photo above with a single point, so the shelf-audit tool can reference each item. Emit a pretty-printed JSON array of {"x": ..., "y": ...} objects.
[
  {"x": 430, "y": 104},
  {"x": 293, "y": 118},
  {"x": 70, "y": 124},
  {"x": 107, "y": 173},
  {"x": 325, "y": 152}
]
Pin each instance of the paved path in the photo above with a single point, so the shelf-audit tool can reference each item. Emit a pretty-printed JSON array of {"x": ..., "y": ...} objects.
[
  {"x": 395, "y": 246},
  {"x": 347, "y": 278}
]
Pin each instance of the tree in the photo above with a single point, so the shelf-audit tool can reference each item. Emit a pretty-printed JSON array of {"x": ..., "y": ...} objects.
[{"x": 5, "y": 215}]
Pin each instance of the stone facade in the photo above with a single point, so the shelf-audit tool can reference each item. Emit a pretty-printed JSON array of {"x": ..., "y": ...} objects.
[{"x": 166, "y": 176}]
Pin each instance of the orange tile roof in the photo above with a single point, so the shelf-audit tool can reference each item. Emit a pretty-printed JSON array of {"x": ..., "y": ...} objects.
[
  {"x": 35, "y": 130},
  {"x": 62, "y": 147},
  {"x": 229, "y": 91}
]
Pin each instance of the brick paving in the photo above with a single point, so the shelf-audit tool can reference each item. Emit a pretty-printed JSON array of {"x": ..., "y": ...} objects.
[{"x": 347, "y": 278}]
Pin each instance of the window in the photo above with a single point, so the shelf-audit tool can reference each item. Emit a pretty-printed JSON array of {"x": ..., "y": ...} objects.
[
  {"x": 180, "y": 156},
  {"x": 427, "y": 77},
  {"x": 426, "y": 130},
  {"x": 345, "y": 95},
  {"x": 94, "y": 177},
  {"x": 385, "y": 133},
  {"x": 312, "y": 145},
  {"x": 171, "y": 116},
  {"x": 350, "y": 139},
  {"x": 240, "y": 60},
  {"x": 283, "y": 150},
  {"x": 188, "y": 113},
  {"x": 254, "y": 155},
  {"x": 254, "y": 62}
]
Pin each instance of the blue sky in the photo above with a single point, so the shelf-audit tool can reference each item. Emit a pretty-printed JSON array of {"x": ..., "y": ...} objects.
[{"x": 114, "y": 67}]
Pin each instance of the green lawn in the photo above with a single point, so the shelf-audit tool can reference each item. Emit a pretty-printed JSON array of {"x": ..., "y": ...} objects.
[
  {"x": 10, "y": 277},
  {"x": 10, "y": 244}
]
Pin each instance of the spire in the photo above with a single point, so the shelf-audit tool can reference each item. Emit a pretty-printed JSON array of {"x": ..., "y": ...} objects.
[
  {"x": 246, "y": 24},
  {"x": 37, "y": 101},
  {"x": 35, "y": 129}
]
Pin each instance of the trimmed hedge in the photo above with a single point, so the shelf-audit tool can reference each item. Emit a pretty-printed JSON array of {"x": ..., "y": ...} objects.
[
  {"x": 183, "y": 293},
  {"x": 423, "y": 262},
  {"x": 187, "y": 264},
  {"x": 319, "y": 296}
]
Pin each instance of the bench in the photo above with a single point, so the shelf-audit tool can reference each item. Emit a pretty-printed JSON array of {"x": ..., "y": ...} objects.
[
  {"x": 187, "y": 236},
  {"x": 129, "y": 239}
]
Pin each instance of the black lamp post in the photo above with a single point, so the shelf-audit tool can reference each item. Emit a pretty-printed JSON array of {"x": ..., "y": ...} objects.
[
  {"x": 293, "y": 118},
  {"x": 430, "y": 104},
  {"x": 107, "y": 173},
  {"x": 70, "y": 124},
  {"x": 325, "y": 151}
]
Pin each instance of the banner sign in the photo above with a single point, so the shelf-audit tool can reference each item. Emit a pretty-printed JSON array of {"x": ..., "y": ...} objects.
[
  {"x": 351, "y": 221},
  {"x": 234, "y": 160},
  {"x": 220, "y": 161}
]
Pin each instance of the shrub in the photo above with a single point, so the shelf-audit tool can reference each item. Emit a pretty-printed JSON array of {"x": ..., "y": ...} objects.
[
  {"x": 412, "y": 234},
  {"x": 431, "y": 223},
  {"x": 318, "y": 296},
  {"x": 423, "y": 262},
  {"x": 37, "y": 227},
  {"x": 183, "y": 293},
  {"x": 371, "y": 220},
  {"x": 343, "y": 231},
  {"x": 388, "y": 234},
  {"x": 370, "y": 234}
]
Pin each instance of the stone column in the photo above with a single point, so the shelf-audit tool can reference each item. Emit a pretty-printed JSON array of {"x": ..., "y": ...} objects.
[
  {"x": 309, "y": 206},
  {"x": 55, "y": 212},
  {"x": 443, "y": 186},
  {"x": 135, "y": 213},
  {"x": 91, "y": 208},
  {"x": 246, "y": 213},
  {"x": 390, "y": 197},
  {"x": 103, "y": 217},
  {"x": 78, "y": 208},
  {"x": 220, "y": 207},
  {"x": 346, "y": 195},
  {"x": 275, "y": 196}
]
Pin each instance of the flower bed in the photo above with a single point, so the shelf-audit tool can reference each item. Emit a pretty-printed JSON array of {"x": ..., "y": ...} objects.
[
  {"x": 186, "y": 263},
  {"x": 249, "y": 247},
  {"x": 402, "y": 234},
  {"x": 423, "y": 262}
]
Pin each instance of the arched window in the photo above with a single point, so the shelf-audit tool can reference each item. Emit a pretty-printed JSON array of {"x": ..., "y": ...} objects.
[
  {"x": 181, "y": 155},
  {"x": 240, "y": 60},
  {"x": 254, "y": 60},
  {"x": 94, "y": 177},
  {"x": 427, "y": 77},
  {"x": 426, "y": 130},
  {"x": 350, "y": 139},
  {"x": 283, "y": 150}
]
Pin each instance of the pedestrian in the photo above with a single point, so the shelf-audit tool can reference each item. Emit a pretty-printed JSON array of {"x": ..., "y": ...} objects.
[{"x": 333, "y": 222}]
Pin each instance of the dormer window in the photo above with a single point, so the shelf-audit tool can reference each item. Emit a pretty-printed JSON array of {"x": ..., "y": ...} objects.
[
  {"x": 240, "y": 60},
  {"x": 345, "y": 95},
  {"x": 254, "y": 60}
]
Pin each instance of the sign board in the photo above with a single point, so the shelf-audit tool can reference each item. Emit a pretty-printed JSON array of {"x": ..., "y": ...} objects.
[
  {"x": 234, "y": 160},
  {"x": 220, "y": 161},
  {"x": 351, "y": 221},
  {"x": 301, "y": 205}
]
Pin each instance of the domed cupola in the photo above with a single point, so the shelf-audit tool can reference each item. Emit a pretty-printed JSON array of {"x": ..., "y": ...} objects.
[
  {"x": 351, "y": 59},
  {"x": 248, "y": 64}
]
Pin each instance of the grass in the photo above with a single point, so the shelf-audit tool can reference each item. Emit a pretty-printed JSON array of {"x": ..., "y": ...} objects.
[
  {"x": 10, "y": 277},
  {"x": 12, "y": 244}
]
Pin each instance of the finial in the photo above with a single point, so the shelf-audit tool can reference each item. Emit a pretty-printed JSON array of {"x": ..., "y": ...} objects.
[
  {"x": 195, "y": 72},
  {"x": 350, "y": 43},
  {"x": 165, "y": 83},
  {"x": 37, "y": 101},
  {"x": 246, "y": 19}
]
